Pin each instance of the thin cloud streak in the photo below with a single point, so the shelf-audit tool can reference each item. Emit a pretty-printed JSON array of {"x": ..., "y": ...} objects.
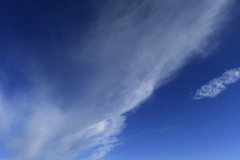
[
  {"x": 218, "y": 85},
  {"x": 126, "y": 55}
]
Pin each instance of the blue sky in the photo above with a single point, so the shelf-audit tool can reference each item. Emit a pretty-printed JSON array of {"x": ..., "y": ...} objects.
[{"x": 114, "y": 80}]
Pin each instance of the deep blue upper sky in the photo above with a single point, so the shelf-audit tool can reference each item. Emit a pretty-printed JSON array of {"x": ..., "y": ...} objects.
[{"x": 116, "y": 80}]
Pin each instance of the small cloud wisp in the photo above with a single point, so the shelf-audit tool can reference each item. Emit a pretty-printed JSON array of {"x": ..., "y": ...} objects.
[{"x": 218, "y": 85}]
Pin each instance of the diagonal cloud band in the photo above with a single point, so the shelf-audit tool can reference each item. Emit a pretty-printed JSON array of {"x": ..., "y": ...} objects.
[{"x": 76, "y": 97}]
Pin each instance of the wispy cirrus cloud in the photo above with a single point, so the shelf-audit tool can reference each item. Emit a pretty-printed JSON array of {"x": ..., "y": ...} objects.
[
  {"x": 218, "y": 85},
  {"x": 70, "y": 99}
]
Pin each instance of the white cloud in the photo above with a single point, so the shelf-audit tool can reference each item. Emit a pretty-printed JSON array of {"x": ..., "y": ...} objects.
[
  {"x": 217, "y": 85},
  {"x": 134, "y": 47}
]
